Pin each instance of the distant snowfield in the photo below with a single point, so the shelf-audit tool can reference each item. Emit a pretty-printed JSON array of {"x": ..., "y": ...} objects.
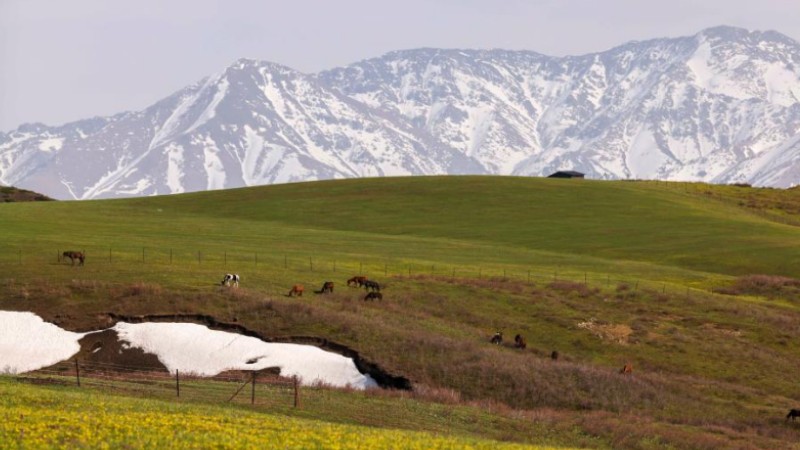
[{"x": 28, "y": 343}]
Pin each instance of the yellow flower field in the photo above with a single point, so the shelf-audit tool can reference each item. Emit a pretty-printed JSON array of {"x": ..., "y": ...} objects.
[{"x": 34, "y": 417}]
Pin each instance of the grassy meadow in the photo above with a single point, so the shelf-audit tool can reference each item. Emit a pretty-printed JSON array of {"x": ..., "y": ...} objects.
[{"x": 692, "y": 284}]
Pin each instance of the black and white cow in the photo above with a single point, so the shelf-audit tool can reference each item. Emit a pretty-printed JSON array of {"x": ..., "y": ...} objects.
[{"x": 231, "y": 279}]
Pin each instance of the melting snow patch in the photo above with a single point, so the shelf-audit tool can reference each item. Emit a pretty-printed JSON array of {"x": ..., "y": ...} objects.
[
  {"x": 192, "y": 348},
  {"x": 28, "y": 343}
]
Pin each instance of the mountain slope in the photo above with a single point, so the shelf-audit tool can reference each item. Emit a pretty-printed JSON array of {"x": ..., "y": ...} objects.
[{"x": 720, "y": 106}]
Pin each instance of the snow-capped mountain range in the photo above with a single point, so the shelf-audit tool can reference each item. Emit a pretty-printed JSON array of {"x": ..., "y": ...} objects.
[{"x": 721, "y": 106}]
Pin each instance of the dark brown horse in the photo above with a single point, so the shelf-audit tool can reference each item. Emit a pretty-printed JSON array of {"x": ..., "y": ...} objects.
[
  {"x": 297, "y": 290},
  {"x": 327, "y": 287},
  {"x": 72, "y": 255},
  {"x": 373, "y": 296},
  {"x": 627, "y": 369},
  {"x": 793, "y": 413},
  {"x": 519, "y": 342},
  {"x": 497, "y": 338},
  {"x": 372, "y": 285},
  {"x": 357, "y": 280}
]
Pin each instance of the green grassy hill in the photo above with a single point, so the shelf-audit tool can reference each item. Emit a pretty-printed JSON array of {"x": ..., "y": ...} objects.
[{"x": 603, "y": 272}]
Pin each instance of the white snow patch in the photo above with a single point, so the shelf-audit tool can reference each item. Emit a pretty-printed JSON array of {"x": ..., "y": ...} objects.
[
  {"x": 215, "y": 170},
  {"x": 783, "y": 86},
  {"x": 174, "y": 168},
  {"x": 192, "y": 348},
  {"x": 28, "y": 343},
  {"x": 645, "y": 158},
  {"x": 51, "y": 144}
]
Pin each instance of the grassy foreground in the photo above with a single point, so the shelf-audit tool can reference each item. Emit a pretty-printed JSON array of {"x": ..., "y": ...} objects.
[
  {"x": 37, "y": 417},
  {"x": 604, "y": 272}
]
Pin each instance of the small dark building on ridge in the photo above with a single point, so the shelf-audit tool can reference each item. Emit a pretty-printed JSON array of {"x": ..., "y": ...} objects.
[{"x": 566, "y": 174}]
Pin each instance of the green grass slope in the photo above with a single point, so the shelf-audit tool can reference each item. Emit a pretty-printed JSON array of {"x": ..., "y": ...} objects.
[
  {"x": 603, "y": 272},
  {"x": 37, "y": 417}
]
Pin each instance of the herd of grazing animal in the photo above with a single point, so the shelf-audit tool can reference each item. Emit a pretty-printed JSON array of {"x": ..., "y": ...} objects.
[{"x": 373, "y": 288}]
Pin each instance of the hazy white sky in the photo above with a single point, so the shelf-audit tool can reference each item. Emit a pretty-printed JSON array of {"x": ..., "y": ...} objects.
[{"x": 66, "y": 60}]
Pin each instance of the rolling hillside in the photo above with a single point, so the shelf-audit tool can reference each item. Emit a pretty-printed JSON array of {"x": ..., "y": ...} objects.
[{"x": 603, "y": 272}]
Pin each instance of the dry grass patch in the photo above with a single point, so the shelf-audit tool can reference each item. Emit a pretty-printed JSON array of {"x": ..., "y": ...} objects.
[{"x": 618, "y": 334}]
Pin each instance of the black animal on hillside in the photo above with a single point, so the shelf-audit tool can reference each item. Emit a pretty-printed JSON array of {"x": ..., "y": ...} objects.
[
  {"x": 519, "y": 342},
  {"x": 793, "y": 413},
  {"x": 72, "y": 255},
  {"x": 372, "y": 285},
  {"x": 497, "y": 338},
  {"x": 554, "y": 355},
  {"x": 373, "y": 296}
]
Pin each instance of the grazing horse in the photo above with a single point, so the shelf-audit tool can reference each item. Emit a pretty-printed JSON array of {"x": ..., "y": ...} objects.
[
  {"x": 357, "y": 280},
  {"x": 372, "y": 285},
  {"x": 297, "y": 290},
  {"x": 554, "y": 355},
  {"x": 497, "y": 338},
  {"x": 626, "y": 369},
  {"x": 75, "y": 255},
  {"x": 519, "y": 342},
  {"x": 793, "y": 413},
  {"x": 231, "y": 279},
  {"x": 373, "y": 296},
  {"x": 327, "y": 287}
]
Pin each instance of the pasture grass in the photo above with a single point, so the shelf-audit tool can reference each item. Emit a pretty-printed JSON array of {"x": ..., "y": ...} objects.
[
  {"x": 603, "y": 272},
  {"x": 59, "y": 417}
]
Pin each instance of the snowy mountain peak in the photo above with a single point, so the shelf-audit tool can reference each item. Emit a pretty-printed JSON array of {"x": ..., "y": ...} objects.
[{"x": 719, "y": 106}]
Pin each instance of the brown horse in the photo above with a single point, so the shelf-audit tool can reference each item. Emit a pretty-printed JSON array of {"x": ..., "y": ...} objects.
[
  {"x": 297, "y": 290},
  {"x": 793, "y": 413},
  {"x": 497, "y": 338},
  {"x": 373, "y": 296},
  {"x": 627, "y": 369},
  {"x": 357, "y": 280},
  {"x": 519, "y": 342},
  {"x": 72, "y": 255},
  {"x": 554, "y": 355}
]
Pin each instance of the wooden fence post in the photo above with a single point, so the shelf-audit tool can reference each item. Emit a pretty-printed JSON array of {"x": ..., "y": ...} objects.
[
  {"x": 296, "y": 391},
  {"x": 78, "y": 372},
  {"x": 284, "y": 261},
  {"x": 253, "y": 390},
  {"x": 177, "y": 382}
]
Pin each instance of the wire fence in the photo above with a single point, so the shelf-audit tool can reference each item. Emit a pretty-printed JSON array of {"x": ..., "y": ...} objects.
[
  {"x": 258, "y": 388},
  {"x": 240, "y": 261}
]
